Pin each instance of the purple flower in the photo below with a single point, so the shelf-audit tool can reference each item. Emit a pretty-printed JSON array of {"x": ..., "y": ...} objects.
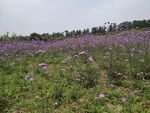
[
  {"x": 90, "y": 59},
  {"x": 78, "y": 78},
  {"x": 43, "y": 66},
  {"x": 100, "y": 96}
]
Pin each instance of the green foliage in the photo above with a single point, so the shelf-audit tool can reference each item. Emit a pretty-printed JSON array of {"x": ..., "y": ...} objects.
[{"x": 74, "y": 86}]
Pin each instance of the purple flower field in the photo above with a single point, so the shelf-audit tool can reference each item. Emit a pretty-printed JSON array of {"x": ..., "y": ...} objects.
[
  {"x": 88, "y": 74},
  {"x": 9, "y": 48}
]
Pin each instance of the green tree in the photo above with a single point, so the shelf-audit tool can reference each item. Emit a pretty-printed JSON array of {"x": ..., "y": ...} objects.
[{"x": 35, "y": 36}]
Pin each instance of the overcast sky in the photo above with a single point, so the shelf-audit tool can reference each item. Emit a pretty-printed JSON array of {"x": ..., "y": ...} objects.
[{"x": 27, "y": 16}]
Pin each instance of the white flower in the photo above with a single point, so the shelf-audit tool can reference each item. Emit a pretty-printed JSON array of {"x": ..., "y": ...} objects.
[
  {"x": 110, "y": 48},
  {"x": 124, "y": 100},
  {"x": 100, "y": 96},
  {"x": 107, "y": 53},
  {"x": 133, "y": 49},
  {"x": 63, "y": 61},
  {"x": 126, "y": 60},
  {"x": 131, "y": 54},
  {"x": 30, "y": 66},
  {"x": 26, "y": 78},
  {"x": 90, "y": 59},
  {"x": 141, "y": 73},
  {"x": 83, "y": 53},
  {"x": 140, "y": 51},
  {"x": 29, "y": 78},
  {"x": 142, "y": 61},
  {"x": 55, "y": 103},
  {"x": 76, "y": 56},
  {"x": 119, "y": 74},
  {"x": 138, "y": 74},
  {"x": 40, "y": 52},
  {"x": 78, "y": 79}
]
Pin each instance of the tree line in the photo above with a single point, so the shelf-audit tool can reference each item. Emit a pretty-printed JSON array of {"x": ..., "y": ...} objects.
[{"x": 100, "y": 30}]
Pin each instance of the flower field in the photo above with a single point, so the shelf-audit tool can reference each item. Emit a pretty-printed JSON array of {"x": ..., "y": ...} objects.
[{"x": 89, "y": 74}]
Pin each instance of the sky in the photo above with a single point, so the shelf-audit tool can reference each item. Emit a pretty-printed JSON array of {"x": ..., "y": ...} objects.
[{"x": 47, "y": 16}]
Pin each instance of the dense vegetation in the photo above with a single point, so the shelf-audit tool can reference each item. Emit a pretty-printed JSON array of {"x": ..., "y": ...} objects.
[
  {"x": 90, "y": 74},
  {"x": 101, "y": 30}
]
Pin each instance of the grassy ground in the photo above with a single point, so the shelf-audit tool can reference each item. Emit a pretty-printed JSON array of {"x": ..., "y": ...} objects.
[{"x": 81, "y": 80}]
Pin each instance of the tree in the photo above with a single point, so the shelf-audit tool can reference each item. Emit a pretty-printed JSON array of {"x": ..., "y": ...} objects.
[
  {"x": 101, "y": 30},
  {"x": 148, "y": 23},
  {"x": 125, "y": 26},
  {"x": 94, "y": 30},
  {"x": 86, "y": 31},
  {"x": 66, "y": 33},
  {"x": 78, "y": 32},
  {"x": 35, "y": 36}
]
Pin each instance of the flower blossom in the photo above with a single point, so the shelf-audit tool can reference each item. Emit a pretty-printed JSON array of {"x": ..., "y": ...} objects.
[
  {"x": 100, "y": 96},
  {"x": 43, "y": 65},
  {"x": 29, "y": 78},
  {"x": 40, "y": 52},
  {"x": 124, "y": 100},
  {"x": 83, "y": 53},
  {"x": 90, "y": 59}
]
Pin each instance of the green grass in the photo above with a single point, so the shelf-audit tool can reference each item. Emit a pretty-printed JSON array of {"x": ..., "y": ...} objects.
[{"x": 74, "y": 85}]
